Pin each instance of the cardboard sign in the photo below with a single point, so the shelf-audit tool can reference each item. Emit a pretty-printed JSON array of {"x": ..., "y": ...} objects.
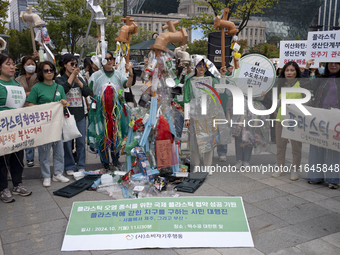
[
  {"x": 295, "y": 51},
  {"x": 163, "y": 153},
  {"x": 323, "y": 46},
  {"x": 30, "y": 127},
  {"x": 158, "y": 222}
]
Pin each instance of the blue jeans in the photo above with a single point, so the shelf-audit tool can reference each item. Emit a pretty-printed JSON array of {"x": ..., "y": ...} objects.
[
  {"x": 29, "y": 153},
  {"x": 242, "y": 153},
  {"x": 58, "y": 158},
  {"x": 104, "y": 155},
  {"x": 331, "y": 159},
  {"x": 70, "y": 163},
  {"x": 222, "y": 150}
]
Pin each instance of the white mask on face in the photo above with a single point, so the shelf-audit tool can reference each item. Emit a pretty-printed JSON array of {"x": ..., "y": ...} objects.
[{"x": 30, "y": 69}]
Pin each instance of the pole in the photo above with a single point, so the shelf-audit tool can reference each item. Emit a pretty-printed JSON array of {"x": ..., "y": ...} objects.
[
  {"x": 223, "y": 46},
  {"x": 125, "y": 9},
  {"x": 85, "y": 40},
  {"x": 32, "y": 36}
]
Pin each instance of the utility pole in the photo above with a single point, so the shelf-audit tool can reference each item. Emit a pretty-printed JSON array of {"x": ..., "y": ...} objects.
[{"x": 125, "y": 9}]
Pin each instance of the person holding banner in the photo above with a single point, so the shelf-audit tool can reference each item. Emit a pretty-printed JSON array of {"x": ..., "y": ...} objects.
[
  {"x": 11, "y": 162},
  {"x": 47, "y": 91},
  {"x": 326, "y": 90},
  {"x": 288, "y": 78},
  {"x": 106, "y": 111},
  {"x": 75, "y": 88},
  {"x": 27, "y": 80}
]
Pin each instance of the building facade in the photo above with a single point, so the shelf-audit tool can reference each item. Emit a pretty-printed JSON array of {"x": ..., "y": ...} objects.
[
  {"x": 16, "y": 7},
  {"x": 328, "y": 16}
]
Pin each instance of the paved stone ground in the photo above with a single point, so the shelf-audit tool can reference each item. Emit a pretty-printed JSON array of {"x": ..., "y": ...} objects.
[{"x": 285, "y": 217}]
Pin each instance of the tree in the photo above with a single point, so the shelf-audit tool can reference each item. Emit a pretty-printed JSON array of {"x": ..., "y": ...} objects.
[
  {"x": 141, "y": 36},
  {"x": 238, "y": 9},
  {"x": 3, "y": 15},
  {"x": 274, "y": 40},
  {"x": 243, "y": 44},
  {"x": 71, "y": 19},
  {"x": 198, "y": 47},
  {"x": 270, "y": 50},
  {"x": 20, "y": 43}
]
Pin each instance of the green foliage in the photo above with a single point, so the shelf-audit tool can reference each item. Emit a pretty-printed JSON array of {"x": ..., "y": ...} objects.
[
  {"x": 238, "y": 9},
  {"x": 198, "y": 47},
  {"x": 20, "y": 43},
  {"x": 141, "y": 36},
  {"x": 71, "y": 19},
  {"x": 270, "y": 50},
  {"x": 274, "y": 40},
  {"x": 243, "y": 44},
  {"x": 3, "y": 15}
]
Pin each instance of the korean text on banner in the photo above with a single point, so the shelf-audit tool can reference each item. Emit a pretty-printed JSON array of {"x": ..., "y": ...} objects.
[
  {"x": 161, "y": 222},
  {"x": 322, "y": 128},
  {"x": 295, "y": 51},
  {"x": 323, "y": 46},
  {"x": 30, "y": 126}
]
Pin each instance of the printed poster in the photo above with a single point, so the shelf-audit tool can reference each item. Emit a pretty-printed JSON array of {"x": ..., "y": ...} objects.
[
  {"x": 158, "y": 222},
  {"x": 323, "y": 46}
]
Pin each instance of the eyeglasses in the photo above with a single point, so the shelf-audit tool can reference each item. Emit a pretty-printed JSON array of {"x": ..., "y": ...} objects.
[
  {"x": 48, "y": 70},
  {"x": 200, "y": 65},
  {"x": 73, "y": 64},
  {"x": 110, "y": 58}
]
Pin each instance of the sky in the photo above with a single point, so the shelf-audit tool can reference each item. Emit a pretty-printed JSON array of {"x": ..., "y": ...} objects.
[{"x": 197, "y": 34}]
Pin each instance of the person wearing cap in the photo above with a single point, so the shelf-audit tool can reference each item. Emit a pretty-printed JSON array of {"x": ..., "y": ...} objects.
[
  {"x": 202, "y": 132},
  {"x": 106, "y": 110}
]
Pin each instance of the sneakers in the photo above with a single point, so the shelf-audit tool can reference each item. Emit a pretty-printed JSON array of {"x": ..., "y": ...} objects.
[
  {"x": 294, "y": 176},
  {"x": 333, "y": 186},
  {"x": 60, "y": 178},
  {"x": 246, "y": 164},
  {"x": 6, "y": 196},
  {"x": 21, "y": 190},
  {"x": 30, "y": 163},
  {"x": 277, "y": 174},
  {"x": 70, "y": 172},
  {"x": 222, "y": 159},
  {"x": 238, "y": 164},
  {"x": 47, "y": 182},
  {"x": 93, "y": 150}
]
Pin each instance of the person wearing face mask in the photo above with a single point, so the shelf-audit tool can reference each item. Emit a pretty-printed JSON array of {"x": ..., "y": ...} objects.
[
  {"x": 326, "y": 90},
  {"x": 13, "y": 162},
  {"x": 27, "y": 80},
  {"x": 75, "y": 89}
]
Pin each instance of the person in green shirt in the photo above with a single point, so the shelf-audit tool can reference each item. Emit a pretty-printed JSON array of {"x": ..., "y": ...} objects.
[
  {"x": 11, "y": 162},
  {"x": 47, "y": 91}
]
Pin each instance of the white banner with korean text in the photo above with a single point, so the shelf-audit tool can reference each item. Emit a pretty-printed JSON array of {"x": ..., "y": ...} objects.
[
  {"x": 295, "y": 51},
  {"x": 30, "y": 127},
  {"x": 322, "y": 128},
  {"x": 323, "y": 46}
]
